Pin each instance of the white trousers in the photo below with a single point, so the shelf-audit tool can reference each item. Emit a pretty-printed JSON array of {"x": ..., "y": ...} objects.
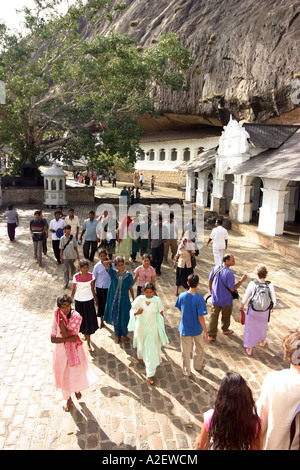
[{"x": 218, "y": 255}]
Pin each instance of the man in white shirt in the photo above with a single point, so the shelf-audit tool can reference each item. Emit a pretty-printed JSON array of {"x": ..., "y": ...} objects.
[
  {"x": 219, "y": 235},
  {"x": 73, "y": 220},
  {"x": 56, "y": 227}
]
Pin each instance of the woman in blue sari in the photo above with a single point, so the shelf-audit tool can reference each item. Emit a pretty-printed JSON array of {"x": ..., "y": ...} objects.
[{"x": 117, "y": 309}]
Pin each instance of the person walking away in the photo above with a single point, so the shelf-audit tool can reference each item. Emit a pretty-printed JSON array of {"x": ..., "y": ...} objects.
[
  {"x": 72, "y": 370},
  {"x": 158, "y": 237},
  {"x": 183, "y": 263},
  {"x": 142, "y": 180},
  {"x": 89, "y": 230},
  {"x": 144, "y": 273},
  {"x": 192, "y": 326},
  {"x": 173, "y": 236},
  {"x": 37, "y": 230},
  {"x": 12, "y": 221},
  {"x": 152, "y": 182},
  {"x": 279, "y": 400},
  {"x": 102, "y": 281},
  {"x": 45, "y": 234},
  {"x": 147, "y": 322},
  {"x": 56, "y": 227},
  {"x": 117, "y": 309},
  {"x": 233, "y": 423},
  {"x": 68, "y": 254},
  {"x": 219, "y": 235},
  {"x": 83, "y": 291},
  {"x": 262, "y": 299},
  {"x": 221, "y": 286},
  {"x": 73, "y": 220}
]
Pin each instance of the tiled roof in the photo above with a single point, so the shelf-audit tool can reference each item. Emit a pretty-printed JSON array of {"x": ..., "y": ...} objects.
[
  {"x": 280, "y": 163},
  {"x": 269, "y": 136}
]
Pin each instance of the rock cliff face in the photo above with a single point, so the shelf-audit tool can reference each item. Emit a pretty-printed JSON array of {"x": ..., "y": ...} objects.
[{"x": 247, "y": 52}]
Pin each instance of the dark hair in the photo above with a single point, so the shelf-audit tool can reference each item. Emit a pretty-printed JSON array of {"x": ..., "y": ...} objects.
[
  {"x": 146, "y": 256},
  {"x": 68, "y": 227},
  {"x": 102, "y": 251},
  {"x": 148, "y": 285},
  {"x": 71, "y": 210},
  {"x": 119, "y": 259},
  {"x": 62, "y": 299},
  {"x": 83, "y": 262},
  {"x": 37, "y": 213},
  {"x": 10, "y": 207},
  {"x": 193, "y": 280},
  {"x": 56, "y": 212},
  {"x": 92, "y": 212},
  {"x": 235, "y": 423},
  {"x": 226, "y": 258},
  {"x": 219, "y": 221}
]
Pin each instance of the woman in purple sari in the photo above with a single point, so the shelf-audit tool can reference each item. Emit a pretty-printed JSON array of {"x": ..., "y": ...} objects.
[{"x": 256, "y": 321}]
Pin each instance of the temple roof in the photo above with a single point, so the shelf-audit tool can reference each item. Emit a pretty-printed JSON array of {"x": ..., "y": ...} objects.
[{"x": 279, "y": 163}]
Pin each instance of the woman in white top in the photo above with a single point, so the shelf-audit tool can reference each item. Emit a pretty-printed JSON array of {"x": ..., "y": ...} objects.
[
  {"x": 256, "y": 321},
  {"x": 185, "y": 252},
  {"x": 83, "y": 292}
]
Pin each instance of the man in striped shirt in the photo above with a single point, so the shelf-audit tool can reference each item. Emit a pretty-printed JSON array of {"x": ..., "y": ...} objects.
[{"x": 37, "y": 229}]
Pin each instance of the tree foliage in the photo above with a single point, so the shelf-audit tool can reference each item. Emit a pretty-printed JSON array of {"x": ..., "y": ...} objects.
[{"x": 73, "y": 92}]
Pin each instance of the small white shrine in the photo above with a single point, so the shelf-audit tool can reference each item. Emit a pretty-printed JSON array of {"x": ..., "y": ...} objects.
[{"x": 55, "y": 186}]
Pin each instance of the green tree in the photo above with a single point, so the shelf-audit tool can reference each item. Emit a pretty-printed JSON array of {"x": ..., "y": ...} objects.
[{"x": 71, "y": 92}]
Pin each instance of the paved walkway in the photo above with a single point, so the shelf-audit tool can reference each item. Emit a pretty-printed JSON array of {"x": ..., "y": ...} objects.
[{"x": 122, "y": 412}]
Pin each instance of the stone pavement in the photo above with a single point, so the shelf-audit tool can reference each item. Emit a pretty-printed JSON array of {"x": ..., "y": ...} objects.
[{"x": 122, "y": 411}]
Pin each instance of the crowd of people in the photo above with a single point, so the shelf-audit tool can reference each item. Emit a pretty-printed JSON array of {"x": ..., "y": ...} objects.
[{"x": 106, "y": 292}]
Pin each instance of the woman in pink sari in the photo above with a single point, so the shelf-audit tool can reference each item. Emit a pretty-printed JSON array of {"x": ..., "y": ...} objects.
[{"x": 72, "y": 370}]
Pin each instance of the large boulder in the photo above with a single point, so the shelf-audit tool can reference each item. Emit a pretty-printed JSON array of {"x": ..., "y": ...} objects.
[{"x": 246, "y": 53}]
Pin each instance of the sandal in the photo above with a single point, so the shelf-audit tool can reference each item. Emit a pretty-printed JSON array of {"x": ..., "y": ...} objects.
[
  {"x": 150, "y": 380},
  {"x": 263, "y": 343},
  {"x": 228, "y": 332}
]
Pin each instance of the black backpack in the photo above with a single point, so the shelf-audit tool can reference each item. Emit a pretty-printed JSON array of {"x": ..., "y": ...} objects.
[{"x": 261, "y": 300}]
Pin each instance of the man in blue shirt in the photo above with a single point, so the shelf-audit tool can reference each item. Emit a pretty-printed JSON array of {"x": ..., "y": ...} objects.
[
  {"x": 221, "y": 285},
  {"x": 90, "y": 239},
  {"x": 192, "y": 325}
]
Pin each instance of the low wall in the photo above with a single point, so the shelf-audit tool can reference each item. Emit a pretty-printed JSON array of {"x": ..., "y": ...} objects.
[
  {"x": 17, "y": 196},
  {"x": 170, "y": 179}
]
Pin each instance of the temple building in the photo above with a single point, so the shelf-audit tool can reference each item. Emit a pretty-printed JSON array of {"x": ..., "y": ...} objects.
[{"x": 248, "y": 171}]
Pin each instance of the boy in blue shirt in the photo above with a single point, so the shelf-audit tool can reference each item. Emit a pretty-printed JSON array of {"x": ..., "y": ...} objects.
[{"x": 192, "y": 325}]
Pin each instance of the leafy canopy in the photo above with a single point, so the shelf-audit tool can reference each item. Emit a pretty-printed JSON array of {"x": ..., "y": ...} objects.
[{"x": 72, "y": 91}]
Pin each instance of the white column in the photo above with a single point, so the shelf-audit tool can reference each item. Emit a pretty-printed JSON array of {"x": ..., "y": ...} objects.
[
  {"x": 271, "y": 213},
  {"x": 190, "y": 186},
  {"x": 240, "y": 205},
  {"x": 290, "y": 206},
  {"x": 201, "y": 193}
]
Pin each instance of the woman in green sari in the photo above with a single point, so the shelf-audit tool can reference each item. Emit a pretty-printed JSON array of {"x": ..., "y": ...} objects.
[{"x": 147, "y": 322}]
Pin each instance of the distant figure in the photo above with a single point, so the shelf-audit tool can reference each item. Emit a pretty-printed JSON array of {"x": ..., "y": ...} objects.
[
  {"x": 152, "y": 181},
  {"x": 12, "y": 222},
  {"x": 142, "y": 180}
]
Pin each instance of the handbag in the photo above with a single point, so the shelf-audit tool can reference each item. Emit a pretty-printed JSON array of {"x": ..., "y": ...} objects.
[
  {"x": 235, "y": 294},
  {"x": 242, "y": 317},
  {"x": 193, "y": 261}
]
